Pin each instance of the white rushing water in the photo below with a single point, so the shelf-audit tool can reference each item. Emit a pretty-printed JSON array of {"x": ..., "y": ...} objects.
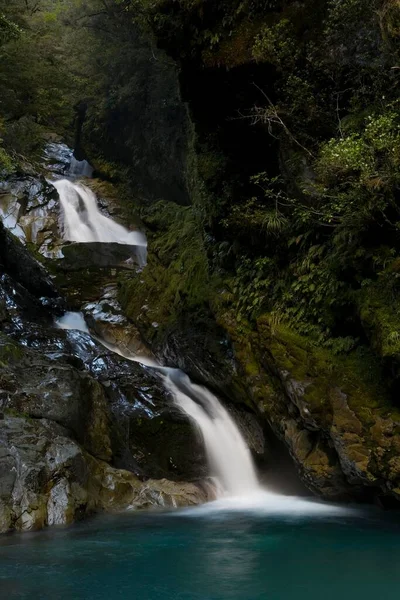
[
  {"x": 83, "y": 222},
  {"x": 227, "y": 452},
  {"x": 262, "y": 503},
  {"x": 228, "y": 455},
  {"x": 72, "y": 321},
  {"x": 237, "y": 486}
]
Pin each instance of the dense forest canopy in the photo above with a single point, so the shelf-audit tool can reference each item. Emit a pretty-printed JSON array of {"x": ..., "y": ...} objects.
[{"x": 296, "y": 113}]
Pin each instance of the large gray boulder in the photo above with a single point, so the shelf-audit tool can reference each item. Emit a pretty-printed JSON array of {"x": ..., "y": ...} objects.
[{"x": 48, "y": 479}]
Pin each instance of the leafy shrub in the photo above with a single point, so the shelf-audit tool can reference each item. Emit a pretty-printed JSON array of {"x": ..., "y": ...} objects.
[
  {"x": 6, "y": 162},
  {"x": 341, "y": 157},
  {"x": 8, "y": 29},
  {"x": 23, "y": 136},
  {"x": 276, "y": 44}
]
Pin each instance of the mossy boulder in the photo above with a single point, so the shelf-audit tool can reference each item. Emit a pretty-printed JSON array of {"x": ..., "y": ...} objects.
[{"x": 334, "y": 413}]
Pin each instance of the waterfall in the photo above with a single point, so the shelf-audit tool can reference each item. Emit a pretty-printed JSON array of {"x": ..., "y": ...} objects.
[
  {"x": 227, "y": 452},
  {"x": 83, "y": 222},
  {"x": 228, "y": 455}
]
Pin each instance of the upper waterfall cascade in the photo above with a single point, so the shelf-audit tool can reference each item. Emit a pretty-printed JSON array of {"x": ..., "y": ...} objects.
[{"x": 83, "y": 221}]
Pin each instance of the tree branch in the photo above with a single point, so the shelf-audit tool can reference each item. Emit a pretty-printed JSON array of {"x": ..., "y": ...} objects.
[{"x": 269, "y": 118}]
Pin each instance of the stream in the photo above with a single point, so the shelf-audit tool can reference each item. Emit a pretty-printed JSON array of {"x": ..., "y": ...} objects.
[{"x": 247, "y": 544}]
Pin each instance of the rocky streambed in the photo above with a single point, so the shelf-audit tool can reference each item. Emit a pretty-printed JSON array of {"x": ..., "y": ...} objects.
[{"x": 82, "y": 429}]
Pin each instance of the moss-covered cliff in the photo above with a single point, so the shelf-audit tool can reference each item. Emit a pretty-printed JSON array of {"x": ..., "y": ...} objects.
[
  {"x": 294, "y": 241},
  {"x": 259, "y": 141}
]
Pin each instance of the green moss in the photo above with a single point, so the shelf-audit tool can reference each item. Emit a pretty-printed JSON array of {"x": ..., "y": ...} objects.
[
  {"x": 11, "y": 412},
  {"x": 357, "y": 374},
  {"x": 380, "y": 315},
  {"x": 176, "y": 278},
  {"x": 9, "y": 351},
  {"x": 7, "y": 164},
  {"x": 82, "y": 285},
  {"x": 276, "y": 349}
]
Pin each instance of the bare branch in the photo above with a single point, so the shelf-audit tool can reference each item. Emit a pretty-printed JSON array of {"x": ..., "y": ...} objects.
[
  {"x": 338, "y": 94},
  {"x": 269, "y": 116}
]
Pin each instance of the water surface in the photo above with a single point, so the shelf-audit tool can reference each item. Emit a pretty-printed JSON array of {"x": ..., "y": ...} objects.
[{"x": 217, "y": 553}]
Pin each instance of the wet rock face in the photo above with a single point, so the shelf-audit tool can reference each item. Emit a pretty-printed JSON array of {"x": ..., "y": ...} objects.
[
  {"x": 148, "y": 434},
  {"x": 16, "y": 261},
  {"x": 70, "y": 440},
  {"x": 79, "y": 256},
  {"x": 167, "y": 445},
  {"x": 43, "y": 388},
  {"x": 117, "y": 410},
  {"x": 202, "y": 350},
  {"x": 79, "y": 424},
  {"x": 46, "y": 478},
  {"x": 107, "y": 321},
  {"x": 57, "y": 157},
  {"x": 29, "y": 209},
  {"x": 251, "y": 429},
  {"x": 106, "y": 410},
  {"x": 341, "y": 430}
]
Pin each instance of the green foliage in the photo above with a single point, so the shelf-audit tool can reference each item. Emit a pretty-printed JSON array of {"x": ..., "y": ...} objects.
[
  {"x": 260, "y": 216},
  {"x": 380, "y": 312},
  {"x": 374, "y": 153},
  {"x": 8, "y": 29},
  {"x": 252, "y": 286},
  {"x": 40, "y": 77},
  {"x": 6, "y": 163},
  {"x": 324, "y": 231},
  {"x": 276, "y": 44},
  {"x": 24, "y": 136},
  {"x": 176, "y": 277},
  {"x": 340, "y": 157}
]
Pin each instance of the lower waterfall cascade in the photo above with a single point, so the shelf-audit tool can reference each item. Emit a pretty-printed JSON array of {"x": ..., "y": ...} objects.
[{"x": 228, "y": 455}]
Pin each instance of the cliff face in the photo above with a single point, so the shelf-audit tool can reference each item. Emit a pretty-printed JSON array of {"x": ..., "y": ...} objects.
[
  {"x": 259, "y": 144},
  {"x": 332, "y": 412},
  {"x": 280, "y": 281},
  {"x": 139, "y": 122}
]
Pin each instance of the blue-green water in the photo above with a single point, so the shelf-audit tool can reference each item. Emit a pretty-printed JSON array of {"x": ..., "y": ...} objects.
[{"x": 218, "y": 555}]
